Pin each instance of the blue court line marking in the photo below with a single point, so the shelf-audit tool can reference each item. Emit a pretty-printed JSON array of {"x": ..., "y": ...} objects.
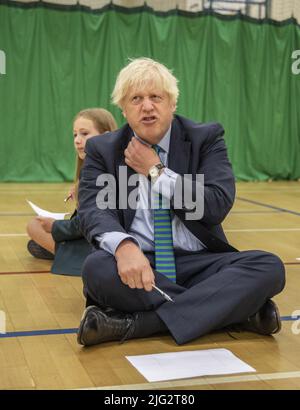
[
  {"x": 74, "y": 330},
  {"x": 268, "y": 206},
  {"x": 39, "y": 332}
]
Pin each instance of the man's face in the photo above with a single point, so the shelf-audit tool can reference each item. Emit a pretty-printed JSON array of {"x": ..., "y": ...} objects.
[{"x": 149, "y": 113}]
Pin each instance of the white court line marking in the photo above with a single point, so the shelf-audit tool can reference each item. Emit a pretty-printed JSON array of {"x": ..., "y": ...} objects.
[
  {"x": 29, "y": 189},
  {"x": 29, "y": 213},
  {"x": 264, "y": 230},
  {"x": 291, "y": 189},
  {"x": 200, "y": 381},
  {"x": 3, "y": 235}
]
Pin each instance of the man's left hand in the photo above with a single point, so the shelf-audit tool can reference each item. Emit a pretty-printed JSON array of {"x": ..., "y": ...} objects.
[
  {"x": 46, "y": 223},
  {"x": 140, "y": 157}
]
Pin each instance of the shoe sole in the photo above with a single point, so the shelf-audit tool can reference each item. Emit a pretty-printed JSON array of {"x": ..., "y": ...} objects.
[
  {"x": 82, "y": 322},
  {"x": 38, "y": 251},
  {"x": 278, "y": 318}
]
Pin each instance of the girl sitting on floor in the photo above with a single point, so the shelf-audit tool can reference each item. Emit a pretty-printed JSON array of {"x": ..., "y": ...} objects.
[{"x": 62, "y": 240}]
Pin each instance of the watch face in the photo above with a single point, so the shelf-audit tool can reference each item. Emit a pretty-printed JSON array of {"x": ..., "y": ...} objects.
[{"x": 154, "y": 172}]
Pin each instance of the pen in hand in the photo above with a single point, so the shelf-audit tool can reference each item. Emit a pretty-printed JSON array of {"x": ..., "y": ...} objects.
[
  {"x": 68, "y": 197},
  {"x": 165, "y": 295}
]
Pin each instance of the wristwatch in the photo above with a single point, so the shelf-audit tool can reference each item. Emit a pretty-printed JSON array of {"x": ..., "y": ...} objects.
[{"x": 155, "y": 171}]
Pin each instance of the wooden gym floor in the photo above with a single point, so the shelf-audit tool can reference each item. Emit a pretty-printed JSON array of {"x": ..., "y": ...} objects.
[{"x": 39, "y": 350}]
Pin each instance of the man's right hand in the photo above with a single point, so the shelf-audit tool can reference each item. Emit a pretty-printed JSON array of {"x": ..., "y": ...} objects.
[{"x": 133, "y": 266}]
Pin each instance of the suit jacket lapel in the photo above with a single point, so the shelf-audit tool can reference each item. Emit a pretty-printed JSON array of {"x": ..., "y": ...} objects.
[
  {"x": 180, "y": 150},
  {"x": 128, "y": 213}
]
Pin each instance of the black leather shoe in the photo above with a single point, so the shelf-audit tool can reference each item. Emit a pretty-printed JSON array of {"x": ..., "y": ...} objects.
[
  {"x": 265, "y": 322},
  {"x": 98, "y": 325},
  {"x": 38, "y": 251}
]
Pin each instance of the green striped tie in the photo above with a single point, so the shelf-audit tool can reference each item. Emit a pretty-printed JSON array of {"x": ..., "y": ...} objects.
[{"x": 163, "y": 240}]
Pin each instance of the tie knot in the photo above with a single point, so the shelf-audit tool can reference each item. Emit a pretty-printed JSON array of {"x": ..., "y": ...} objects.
[{"x": 156, "y": 148}]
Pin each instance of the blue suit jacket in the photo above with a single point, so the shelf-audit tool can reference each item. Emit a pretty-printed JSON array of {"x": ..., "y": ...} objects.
[{"x": 194, "y": 149}]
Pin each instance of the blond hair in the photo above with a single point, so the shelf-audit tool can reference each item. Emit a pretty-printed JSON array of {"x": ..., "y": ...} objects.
[
  {"x": 103, "y": 121},
  {"x": 140, "y": 73}
]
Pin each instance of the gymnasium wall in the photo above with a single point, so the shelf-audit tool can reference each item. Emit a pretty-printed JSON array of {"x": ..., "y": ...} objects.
[{"x": 56, "y": 60}]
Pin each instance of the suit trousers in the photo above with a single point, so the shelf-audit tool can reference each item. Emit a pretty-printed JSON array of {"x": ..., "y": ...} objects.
[{"x": 212, "y": 290}]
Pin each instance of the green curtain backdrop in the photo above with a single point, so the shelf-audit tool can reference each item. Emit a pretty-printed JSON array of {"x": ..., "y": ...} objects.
[{"x": 62, "y": 59}]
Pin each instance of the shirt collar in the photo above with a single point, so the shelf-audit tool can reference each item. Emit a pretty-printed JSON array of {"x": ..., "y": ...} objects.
[{"x": 164, "y": 143}]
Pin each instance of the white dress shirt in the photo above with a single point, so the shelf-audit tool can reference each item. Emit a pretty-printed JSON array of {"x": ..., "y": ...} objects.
[{"x": 141, "y": 230}]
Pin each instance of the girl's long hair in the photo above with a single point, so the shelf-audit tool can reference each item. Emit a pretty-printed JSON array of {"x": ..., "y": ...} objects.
[{"x": 103, "y": 121}]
